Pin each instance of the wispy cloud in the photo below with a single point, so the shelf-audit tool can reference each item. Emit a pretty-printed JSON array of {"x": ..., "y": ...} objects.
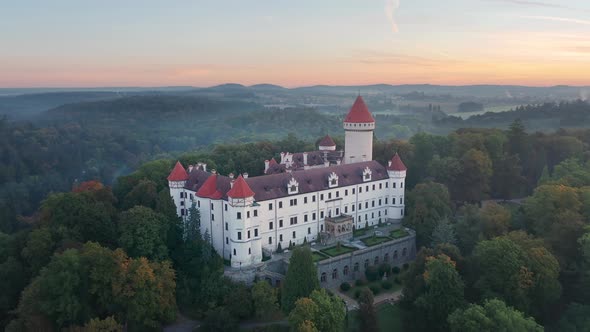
[
  {"x": 391, "y": 7},
  {"x": 557, "y": 19},
  {"x": 530, "y": 3}
]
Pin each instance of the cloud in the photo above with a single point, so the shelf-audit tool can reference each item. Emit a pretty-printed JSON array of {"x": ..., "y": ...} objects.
[
  {"x": 391, "y": 7},
  {"x": 557, "y": 19},
  {"x": 530, "y": 3}
]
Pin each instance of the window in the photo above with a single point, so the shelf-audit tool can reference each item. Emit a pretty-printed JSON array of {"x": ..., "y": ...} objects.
[
  {"x": 270, "y": 240},
  {"x": 373, "y": 203},
  {"x": 281, "y": 223},
  {"x": 401, "y": 200},
  {"x": 281, "y": 238},
  {"x": 373, "y": 187},
  {"x": 313, "y": 198},
  {"x": 255, "y": 213},
  {"x": 329, "y": 195},
  {"x": 345, "y": 270},
  {"x": 212, "y": 207},
  {"x": 401, "y": 184},
  {"x": 249, "y": 251},
  {"x": 293, "y": 221},
  {"x": 248, "y": 234},
  {"x": 335, "y": 274},
  {"x": 182, "y": 212},
  {"x": 212, "y": 217},
  {"x": 270, "y": 206},
  {"x": 346, "y": 209},
  {"x": 270, "y": 225},
  {"x": 323, "y": 278},
  {"x": 239, "y": 235},
  {"x": 226, "y": 226},
  {"x": 337, "y": 211},
  {"x": 366, "y": 263},
  {"x": 305, "y": 218},
  {"x": 337, "y": 194},
  {"x": 313, "y": 216},
  {"x": 308, "y": 230},
  {"x": 395, "y": 254},
  {"x": 182, "y": 203},
  {"x": 293, "y": 234},
  {"x": 304, "y": 200},
  {"x": 280, "y": 205},
  {"x": 235, "y": 252},
  {"x": 226, "y": 240},
  {"x": 321, "y": 214},
  {"x": 346, "y": 192},
  {"x": 367, "y": 188},
  {"x": 379, "y": 201},
  {"x": 199, "y": 203},
  {"x": 239, "y": 215},
  {"x": 360, "y": 190},
  {"x": 386, "y": 184},
  {"x": 404, "y": 252},
  {"x": 321, "y": 197},
  {"x": 393, "y": 201},
  {"x": 372, "y": 215},
  {"x": 247, "y": 214},
  {"x": 366, "y": 205},
  {"x": 225, "y": 207},
  {"x": 386, "y": 258},
  {"x": 360, "y": 206},
  {"x": 355, "y": 268},
  {"x": 394, "y": 185},
  {"x": 376, "y": 260},
  {"x": 380, "y": 185},
  {"x": 352, "y": 207},
  {"x": 385, "y": 200},
  {"x": 292, "y": 202},
  {"x": 353, "y": 191}
]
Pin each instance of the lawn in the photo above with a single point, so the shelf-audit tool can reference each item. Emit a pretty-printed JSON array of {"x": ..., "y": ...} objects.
[
  {"x": 398, "y": 233},
  {"x": 337, "y": 250},
  {"x": 375, "y": 240},
  {"x": 359, "y": 232},
  {"x": 318, "y": 256},
  {"x": 389, "y": 318}
]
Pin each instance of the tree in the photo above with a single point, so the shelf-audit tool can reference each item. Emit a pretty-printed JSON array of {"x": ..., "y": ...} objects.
[
  {"x": 108, "y": 324},
  {"x": 39, "y": 248},
  {"x": 494, "y": 315},
  {"x": 264, "y": 297},
  {"x": 239, "y": 301},
  {"x": 368, "y": 316},
  {"x": 301, "y": 278},
  {"x": 427, "y": 203},
  {"x": 444, "y": 232},
  {"x": 495, "y": 220},
  {"x": 575, "y": 318},
  {"x": 444, "y": 292},
  {"x": 219, "y": 319},
  {"x": 303, "y": 314},
  {"x": 192, "y": 224},
  {"x": 325, "y": 312},
  {"x": 143, "y": 193},
  {"x": 472, "y": 184},
  {"x": 143, "y": 233}
]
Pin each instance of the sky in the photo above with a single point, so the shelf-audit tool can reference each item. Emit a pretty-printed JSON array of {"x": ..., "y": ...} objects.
[{"x": 74, "y": 43}]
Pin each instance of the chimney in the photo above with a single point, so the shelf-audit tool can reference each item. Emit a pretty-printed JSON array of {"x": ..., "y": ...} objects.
[
  {"x": 190, "y": 168},
  {"x": 204, "y": 167},
  {"x": 266, "y": 163},
  {"x": 231, "y": 183},
  {"x": 305, "y": 158},
  {"x": 213, "y": 171},
  {"x": 326, "y": 163},
  {"x": 231, "y": 175},
  {"x": 338, "y": 161},
  {"x": 245, "y": 175},
  {"x": 389, "y": 163},
  {"x": 282, "y": 157}
]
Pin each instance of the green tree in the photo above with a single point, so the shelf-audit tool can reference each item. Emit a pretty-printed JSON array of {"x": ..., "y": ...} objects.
[
  {"x": 367, "y": 313},
  {"x": 473, "y": 183},
  {"x": 39, "y": 248},
  {"x": 305, "y": 310},
  {"x": 143, "y": 233},
  {"x": 326, "y": 312},
  {"x": 575, "y": 319},
  {"x": 495, "y": 220},
  {"x": 239, "y": 301},
  {"x": 443, "y": 232},
  {"x": 426, "y": 204},
  {"x": 444, "y": 292},
  {"x": 143, "y": 194},
  {"x": 264, "y": 297},
  {"x": 301, "y": 278},
  {"x": 108, "y": 324},
  {"x": 219, "y": 319},
  {"x": 493, "y": 316}
]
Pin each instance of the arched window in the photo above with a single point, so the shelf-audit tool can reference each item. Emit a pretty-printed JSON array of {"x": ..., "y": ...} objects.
[
  {"x": 366, "y": 263},
  {"x": 386, "y": 258},
  {"x": 395, "y": 254},
  {"x": 335, "y": 274},
  {"x": 376, "y": 260},
  {"x": 404, "y": 252},
  {"x": 356, "y": 267},
  {"x": 323, "y": 278},
  {"x": 345, "y": 270}
]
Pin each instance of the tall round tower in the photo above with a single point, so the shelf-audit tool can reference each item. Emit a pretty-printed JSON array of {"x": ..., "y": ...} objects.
[
  {"x": 397, "y": 178},
  {"x": 358, "y": 127},
  {"x": 176, "y": 182}
]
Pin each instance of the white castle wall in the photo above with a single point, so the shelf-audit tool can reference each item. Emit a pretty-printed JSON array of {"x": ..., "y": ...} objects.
[{"x": 358, "y": 142}]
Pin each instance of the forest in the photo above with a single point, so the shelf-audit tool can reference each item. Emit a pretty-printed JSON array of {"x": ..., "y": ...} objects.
[{"x": 90, "y": 240}]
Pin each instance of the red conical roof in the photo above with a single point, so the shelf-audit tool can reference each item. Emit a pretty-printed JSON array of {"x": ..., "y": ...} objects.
[
  {"x": 240, "y": 189},
  {"x": 327, "y": 141},
  {"x": 272, "y": 162},
  {"x": 178, "y": 173},
  {"x": 209, "y": 188},
  {"x": 359, "y": 113},
  {"x": 397, "y": 164}
]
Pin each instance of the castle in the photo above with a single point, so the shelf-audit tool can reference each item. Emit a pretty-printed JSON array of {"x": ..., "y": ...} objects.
[{"x": 306, "y": 197}]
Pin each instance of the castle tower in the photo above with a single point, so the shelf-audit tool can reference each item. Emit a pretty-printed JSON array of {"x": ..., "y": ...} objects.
[
  {"x": 397, "y": 178},
  {"x": 244, "y": 234},
  {"x": 358, "y": 126},
  {"x": 327, "y": 144},
  {"x": 176, "y": 182}
]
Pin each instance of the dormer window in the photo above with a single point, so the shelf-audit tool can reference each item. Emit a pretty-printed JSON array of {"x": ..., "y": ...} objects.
[
  {"x": 333, "y": 180},
  {"x": 293, "y": 186},
  {"x": 367, "y": 174}
]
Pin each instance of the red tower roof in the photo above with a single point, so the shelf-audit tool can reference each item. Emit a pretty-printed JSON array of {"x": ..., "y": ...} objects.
[
  {"x": 327, "y": 141},
  {"x": 359, "y": 113},
  {"x": 272, "y": 162},
  {"x": 240, "y": 189},
  {"x": 209, "y": 188},
  {"x": 397, "y": 164},
  {"x": 178, "y": 173}
]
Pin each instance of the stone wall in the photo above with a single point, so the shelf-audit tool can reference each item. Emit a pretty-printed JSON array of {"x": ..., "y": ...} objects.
[{"x": 349, "y": 267}]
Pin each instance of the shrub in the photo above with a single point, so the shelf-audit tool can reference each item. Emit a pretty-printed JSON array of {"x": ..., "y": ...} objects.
[
  {"x": 360, "y": 282},
  {"x": 357, "y": 293},
  {"x": 384, "y": 268},
  {"x": 386, "y": 284},
  {"x": 374, "y": 289},
  {"x": 345, "y": 287},
  {"x": 372, "y": 273},
  {"x": 395, "y": 270}
]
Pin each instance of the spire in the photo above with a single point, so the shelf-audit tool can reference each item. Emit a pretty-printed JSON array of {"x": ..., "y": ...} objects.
[
  {"x": 178, "y": 173},
  {"x": 240, "y": 189},
  {"x": 396, "y": 164},
  {"x": 359, "y": 113}
]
